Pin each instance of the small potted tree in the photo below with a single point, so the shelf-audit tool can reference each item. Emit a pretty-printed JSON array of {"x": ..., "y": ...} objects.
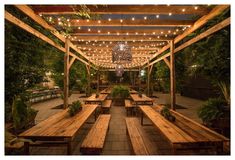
[{"x": 119, "y": 94}]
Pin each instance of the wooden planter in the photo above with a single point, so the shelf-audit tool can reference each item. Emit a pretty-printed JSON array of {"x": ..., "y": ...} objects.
[{"x": 118, "y": 101}]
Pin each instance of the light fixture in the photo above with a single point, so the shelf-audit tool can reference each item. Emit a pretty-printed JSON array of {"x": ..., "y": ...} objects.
[
  {"x": 119, "y": 70},
  {"x": 121, "y": 53}
]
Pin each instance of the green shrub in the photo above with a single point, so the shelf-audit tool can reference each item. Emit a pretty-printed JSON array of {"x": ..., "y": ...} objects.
[
  {"x": 74, "y": 108},
  {"x": 22, "y": 114},
  {"x": 120, "y": 92},
  {"x": 165, "y": 112},
  {"x": 211, "y": 110}
]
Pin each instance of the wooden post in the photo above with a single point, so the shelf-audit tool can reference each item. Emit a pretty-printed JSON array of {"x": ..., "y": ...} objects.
[
  {"x": 139, "y": 79},
  {"x": 66, "y": 73},
  {"x": 148, "y": 78},
  {"x": 98, "y": 80},
  {"x": 88, "y": 68},
  {"x": 172, "y": 78}
]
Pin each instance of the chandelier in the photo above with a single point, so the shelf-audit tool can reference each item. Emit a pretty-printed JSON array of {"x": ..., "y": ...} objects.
[
  {"x": 119, "y": 70},
  {"x": 121, "y": 53}
]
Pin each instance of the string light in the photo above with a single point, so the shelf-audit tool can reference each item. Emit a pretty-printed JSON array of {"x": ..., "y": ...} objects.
[
  {"x": 98, "y": 31},
  {"x": 183, "y": 10},
  {"x": 108, "y": 32},
  {"x": 133, "y": 18},
  {"x": 89, "y": 29},
  {"x": 121, "y": 20},
  {"x": 145, "y": 17},
  {"x": 196, "y": 7},
  {"x": 157, "y": 16},
  {"x": 170, "y": 14},
  {"x": 87, "y": 20},
  {"x": 109, "y": 19},
  {"x": 99, "y": 21}
]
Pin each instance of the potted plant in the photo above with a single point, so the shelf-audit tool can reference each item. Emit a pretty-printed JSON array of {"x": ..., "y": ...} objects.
[
  {"x": 214, "y": 114},
  {"x": 75, "y": 108},
  {"x": 165, "y": 112},
  {"x": 119, "y": 94},
  {"x": 22, "y": 114}
]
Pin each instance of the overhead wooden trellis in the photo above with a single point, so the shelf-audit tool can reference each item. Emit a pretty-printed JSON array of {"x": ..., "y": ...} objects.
[{"x": 149, "y": 29}]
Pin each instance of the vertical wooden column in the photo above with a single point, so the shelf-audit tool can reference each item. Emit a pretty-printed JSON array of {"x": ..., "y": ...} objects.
[
  {"x": 66, "y": 73},
  {"x": 148, "y": 78},
  {"x": 139, "y": 79},
  {"x": 172, "y": 70},
  {"x": 88, "y": 67},
  {"x": 98, "y": 80}
]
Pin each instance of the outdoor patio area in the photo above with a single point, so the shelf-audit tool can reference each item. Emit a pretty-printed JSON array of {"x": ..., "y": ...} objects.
[
  {"x": 117, "y": 79},
  {"x": 117, "y": 141}
]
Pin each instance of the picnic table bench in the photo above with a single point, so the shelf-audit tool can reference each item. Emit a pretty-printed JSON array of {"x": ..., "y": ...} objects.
[
  {"x": 59, "y": 129},
  {"x": 106, "y": 105},
  {"x": 141, "y": 100},
  {"x": 141, "y": 144},
  {"x": 94, "y": 141},
  {"x": 129, "y": 107},
  {"x": 96, "y": 100},
  {"x": 184, "y": 133}
]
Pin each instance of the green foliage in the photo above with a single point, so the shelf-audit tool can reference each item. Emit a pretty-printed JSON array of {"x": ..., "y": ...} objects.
[
  {"x": 165, "y": 112},
  {"x": 22, "y": 114},
  {"x": 74, "y": 108},
  {"x": 77, "y": 74},
  {"x": 211, "y": 110},
  {"x": 120, "y": 91},
  {"x": 162, "y": 75}
]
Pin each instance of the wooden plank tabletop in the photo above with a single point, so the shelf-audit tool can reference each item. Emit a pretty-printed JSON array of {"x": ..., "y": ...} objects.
[
  {"x": 178, "y": 134},
  {"x": 60, "y": 124},
  {"x": 106, "y": 91},
  {"x": 93, "y": 98},
  {"x": 137, "y": 98},
  {"x": 132, "y": 91}
]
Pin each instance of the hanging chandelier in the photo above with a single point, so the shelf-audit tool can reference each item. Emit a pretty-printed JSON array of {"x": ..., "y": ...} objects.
[
  {"x": 119, "y": 70},
  {"x": 121, "y": 53}
]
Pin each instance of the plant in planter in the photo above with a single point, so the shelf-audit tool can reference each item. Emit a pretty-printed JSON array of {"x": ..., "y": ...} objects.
[
  {"x": 75, "y": 108},
  {"x": 97, "y": 95},
  {"x": 212, "y": 111},
  {"x": 22, "y": 114},
  {"x": 140, "y": 94},
  {"x": 165, "y": 112},
  {"x": 119, "y": 94}
]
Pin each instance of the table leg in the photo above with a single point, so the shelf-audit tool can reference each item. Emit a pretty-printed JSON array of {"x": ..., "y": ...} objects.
[
  {"x": 142, "y": 118},
  {"x": 69, "y": 147},
  {"x": 26, "y": 148}
]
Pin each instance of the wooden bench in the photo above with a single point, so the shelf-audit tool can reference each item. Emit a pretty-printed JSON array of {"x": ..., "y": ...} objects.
[
  {"x": 94, "y": 141},
  {"x": 129, "y": 107},
  {"x": 106, "y": 105},
  {"x": 188, "y": 134},
  {"x": 141, "y": 144}
]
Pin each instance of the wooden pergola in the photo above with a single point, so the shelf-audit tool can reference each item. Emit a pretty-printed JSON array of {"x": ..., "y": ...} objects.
[{"x": 150, "y": 30}]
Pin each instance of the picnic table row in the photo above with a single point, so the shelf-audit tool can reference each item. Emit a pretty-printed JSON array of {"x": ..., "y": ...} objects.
[{"x": 182, "y": 134}]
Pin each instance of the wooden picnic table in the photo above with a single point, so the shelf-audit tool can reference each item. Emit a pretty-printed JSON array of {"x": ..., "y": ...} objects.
[
  {"x": 96, "y": 100},
  {"x": 132, "y": 91},
  {"x": 59, "y": 129},
  {"x": 106, "y": 91},
  {"x": 185, "y": 133},
  {"x": 141, "y": 100}
]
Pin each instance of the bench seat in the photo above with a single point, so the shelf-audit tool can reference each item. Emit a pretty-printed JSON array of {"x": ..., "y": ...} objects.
[
  {"x": 106, "y": 105},
  {"x": 129, "y": 107},
  {"x": 94, "y": 141},
  {"x": 141, "y": 144}
]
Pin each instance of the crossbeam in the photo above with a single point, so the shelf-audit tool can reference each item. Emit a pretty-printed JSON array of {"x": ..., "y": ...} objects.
[
  {"x": 200, "y": 22},
  {"x": 208, "y": 32}
]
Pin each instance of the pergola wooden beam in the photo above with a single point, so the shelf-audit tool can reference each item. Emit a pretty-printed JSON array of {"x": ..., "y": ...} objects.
[
  {"x": 29, "y": 12},
  {"x": 208, "y": 32},
  {"x": 66, "y": 74},
  {"x": 123, "y": 9},
  {"x": 122, "y": 38},
  {"x": 71, "y": 61},
  {"x": 136, "y": 23},
  {"x": 38, "y": 34},
  {"x": 172, "y": 75},
  {"x": 199, "y": 23},
  {"x": 167, "y": 62}
]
